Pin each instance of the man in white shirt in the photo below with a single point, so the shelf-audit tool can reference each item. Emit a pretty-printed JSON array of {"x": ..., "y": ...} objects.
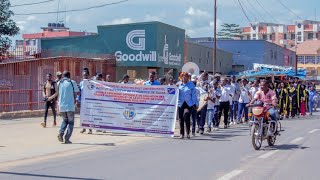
[
  {"x": 244, "y": 100},
  {"x": 226, "y": 93}
]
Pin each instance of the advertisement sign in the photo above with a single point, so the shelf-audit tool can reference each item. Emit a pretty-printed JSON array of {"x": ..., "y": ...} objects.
[{"x": 137, "y": 109}]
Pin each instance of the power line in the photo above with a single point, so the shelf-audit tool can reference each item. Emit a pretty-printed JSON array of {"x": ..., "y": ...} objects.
[
  {"x": 73, "y": 10},
  {"x": 289, "y": 9},
  {"x": 252, "y": 13},
  {"x": 245, "y": 14},
  {"x": 255, "y": 9},
  {"x": 34, "y": 3},
  {"x": 267, "y": 12}
]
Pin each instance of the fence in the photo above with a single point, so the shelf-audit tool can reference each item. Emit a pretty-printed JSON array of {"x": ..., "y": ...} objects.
[{"x": 18, "y": 100}]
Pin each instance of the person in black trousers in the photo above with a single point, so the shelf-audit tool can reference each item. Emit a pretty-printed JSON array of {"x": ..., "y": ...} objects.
[
  {"x": 226, "y": 93},
  {"x": 187, "y": 102},
  {"x": 50, "y": 90}
]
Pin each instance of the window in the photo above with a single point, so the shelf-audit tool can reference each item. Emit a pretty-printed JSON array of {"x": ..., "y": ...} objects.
[
  {"x": 299, "y": 33},
  {"x": 310, "y": 35},
  {"x": 199, "y": 60},
  {"x": 178, "y": 43},
  {"x": 254, "y": 35},
  {"x": 271, "y": 54},
  {"x": 310, "y": 60},
  {"x": 299, "y": 38},
  {"x": 27, "y": 42},
  {"x": 275, "y": 54},
  {"x": 317, "y": 35},
  {"x": 264, "y": 37},
  {"x": 285, "y": 46},
  {"x": 285, "y": 36},
  {"x": 301, "y": 60},
  {"x": 270, "y": 37},
  {"x": 293, "y": 36},
  {"x": 208, "y": 55},
  {"x": 132, "y": 74},
  {"x": 34, "y": 42}
]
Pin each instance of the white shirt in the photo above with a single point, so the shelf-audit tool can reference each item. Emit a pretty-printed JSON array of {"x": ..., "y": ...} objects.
[
  {"x": 210, "y": 103},
  {"x": 244, "y": 95},
  {"x": 254, "y": 90},
  {"x": 225, "y": 93}
]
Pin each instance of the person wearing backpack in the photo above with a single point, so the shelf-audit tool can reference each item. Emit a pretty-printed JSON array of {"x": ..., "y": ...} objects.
[
  {"x": 50, "y": 91},
  {"x": 67, "y": 90}
]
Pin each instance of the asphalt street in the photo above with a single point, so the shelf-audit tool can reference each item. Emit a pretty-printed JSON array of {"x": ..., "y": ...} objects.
[{"x": 224, "y": 154}]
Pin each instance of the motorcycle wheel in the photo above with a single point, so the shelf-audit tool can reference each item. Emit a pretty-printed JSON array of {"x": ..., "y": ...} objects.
[
  {"x": 271, "y": 140},
  {"x": 256, "y": 137}
]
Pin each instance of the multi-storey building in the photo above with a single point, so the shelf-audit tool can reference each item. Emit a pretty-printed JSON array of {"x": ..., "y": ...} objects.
[
  {"x": 281, "y": 34},
  {"x": 309, "y": 58},
  {"x": 32, "y": 42}
]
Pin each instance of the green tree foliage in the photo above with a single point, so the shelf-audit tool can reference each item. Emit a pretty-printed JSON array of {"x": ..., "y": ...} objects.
[
  {"x": 229, "y": 31},
  {"x": 7, "y": 26}
]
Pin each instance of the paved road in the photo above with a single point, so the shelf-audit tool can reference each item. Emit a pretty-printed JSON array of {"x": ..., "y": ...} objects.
[{"x": 225, "y": 154}]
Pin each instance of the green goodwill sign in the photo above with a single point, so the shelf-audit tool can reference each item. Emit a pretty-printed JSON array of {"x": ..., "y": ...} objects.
[{"x": 145, "y": 44}]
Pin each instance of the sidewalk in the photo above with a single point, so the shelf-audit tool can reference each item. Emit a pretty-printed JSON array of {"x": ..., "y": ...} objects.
[{"x": 24, "y": 141}]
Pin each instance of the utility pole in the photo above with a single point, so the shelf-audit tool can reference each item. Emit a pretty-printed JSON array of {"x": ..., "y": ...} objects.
[{"x": 215, "y": 39}]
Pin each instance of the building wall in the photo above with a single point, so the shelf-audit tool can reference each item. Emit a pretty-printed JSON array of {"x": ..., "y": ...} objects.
[
  {"x": 203, "y": 57},
  {"x": 164, "y": 43},
  {"x": 247, "y": 52},
  {"x": 24, "y": 79}
]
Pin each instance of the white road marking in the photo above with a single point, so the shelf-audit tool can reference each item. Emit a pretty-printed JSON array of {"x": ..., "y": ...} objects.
[
  {"x": 296, "y": 140},
  {"x": 313, "y": 131},
  {"x": 231, "y": 175},
  {"x": 266, "y": 155}
]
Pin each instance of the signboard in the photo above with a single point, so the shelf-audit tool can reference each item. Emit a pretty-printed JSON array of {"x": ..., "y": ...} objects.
[{"x": 137, "y": 109}]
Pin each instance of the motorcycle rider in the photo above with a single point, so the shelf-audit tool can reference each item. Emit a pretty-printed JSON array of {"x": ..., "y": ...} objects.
[{"x": 268, "y": 97}]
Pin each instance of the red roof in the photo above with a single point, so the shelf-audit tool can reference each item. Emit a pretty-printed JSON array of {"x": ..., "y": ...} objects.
[{"x": 309, "y": 48}]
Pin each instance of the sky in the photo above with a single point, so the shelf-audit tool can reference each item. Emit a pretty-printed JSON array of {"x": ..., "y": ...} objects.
[{"x": 195, "y": 16}]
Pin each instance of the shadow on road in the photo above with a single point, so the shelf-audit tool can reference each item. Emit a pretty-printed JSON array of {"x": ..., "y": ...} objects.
[
  {"x": 46, "y": 176},
  {"x": 285, "y": 147},
  {"x": 97, "y": 144},
  {"x": 2, "y": 146}
]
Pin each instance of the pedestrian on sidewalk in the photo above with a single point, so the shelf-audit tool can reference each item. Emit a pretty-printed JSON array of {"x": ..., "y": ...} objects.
[
  {"x": 50, "y": 92},
  {"x": 85, "y": 76},
  {"x": 68, "y": 90}
]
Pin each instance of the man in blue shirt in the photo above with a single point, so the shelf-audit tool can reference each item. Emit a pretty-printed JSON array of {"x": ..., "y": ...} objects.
[
  {"x": 152, "y": 80},
  {"x": 67, "y": 99}
]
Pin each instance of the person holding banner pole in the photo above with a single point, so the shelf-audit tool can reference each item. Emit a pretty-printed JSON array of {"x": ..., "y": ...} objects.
[
  {"x": 85, "y": 76},
  {"x": 187, "y": 102}
]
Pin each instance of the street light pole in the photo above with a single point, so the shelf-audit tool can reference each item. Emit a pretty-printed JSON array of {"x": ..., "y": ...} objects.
[{"x": 215, "y": 38}]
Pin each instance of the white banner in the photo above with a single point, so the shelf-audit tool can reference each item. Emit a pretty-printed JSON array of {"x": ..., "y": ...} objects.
[{"x": 132, "y": 108}]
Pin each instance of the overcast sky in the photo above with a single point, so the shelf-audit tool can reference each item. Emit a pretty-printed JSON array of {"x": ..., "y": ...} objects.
[{"x": 196, "y": 16}]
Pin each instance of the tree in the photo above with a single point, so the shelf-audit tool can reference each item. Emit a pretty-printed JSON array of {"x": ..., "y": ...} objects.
[
  {"x": 7, "y": 26},
  {"x": 229, "y": 31}
]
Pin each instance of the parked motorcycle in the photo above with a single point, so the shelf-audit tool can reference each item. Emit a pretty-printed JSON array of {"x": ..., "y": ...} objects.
[{"x": 263, "y": 127}]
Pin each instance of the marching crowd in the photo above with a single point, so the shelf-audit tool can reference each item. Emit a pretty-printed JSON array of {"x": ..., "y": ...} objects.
[
  {"x": 205, "y": 101},
  {"x": 201, "y": 99}
]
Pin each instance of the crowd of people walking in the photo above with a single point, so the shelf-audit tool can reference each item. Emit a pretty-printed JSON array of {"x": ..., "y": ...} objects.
[{"x": 202, "y": 101}]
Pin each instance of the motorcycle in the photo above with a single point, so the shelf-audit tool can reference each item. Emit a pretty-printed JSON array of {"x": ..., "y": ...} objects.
[{"x": 263, "y": 127}]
